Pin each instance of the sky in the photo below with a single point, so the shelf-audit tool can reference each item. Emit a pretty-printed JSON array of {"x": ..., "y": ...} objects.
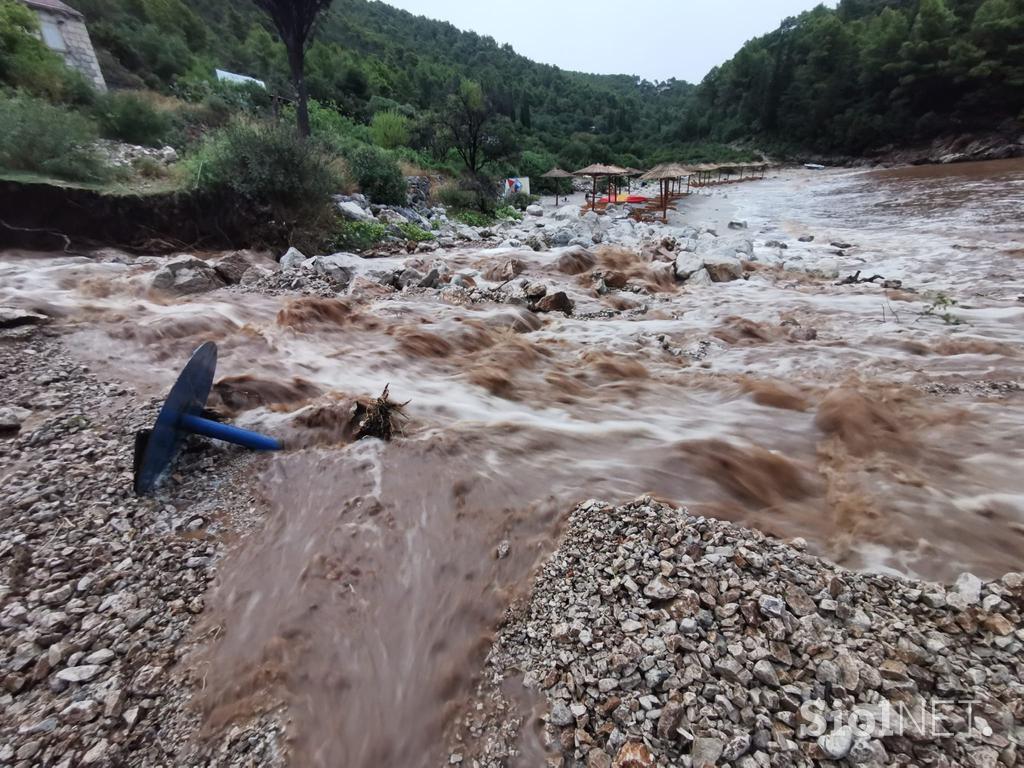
[{"x": 656, "y": 39}]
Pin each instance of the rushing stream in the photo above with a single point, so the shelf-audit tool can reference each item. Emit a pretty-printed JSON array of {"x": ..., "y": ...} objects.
[{"x": 881, "y": 425}]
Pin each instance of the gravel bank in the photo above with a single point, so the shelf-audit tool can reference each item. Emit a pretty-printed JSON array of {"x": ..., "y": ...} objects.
[
  {"x": 99, "y": 588},
  {"x": 657, "y": 638}
]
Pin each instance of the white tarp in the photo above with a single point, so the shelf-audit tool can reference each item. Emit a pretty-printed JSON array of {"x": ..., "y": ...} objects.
[{"x": 231, "y": 77}]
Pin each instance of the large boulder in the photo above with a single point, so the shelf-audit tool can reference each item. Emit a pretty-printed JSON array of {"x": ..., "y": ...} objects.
[
  {"x": 700, "y": 278},
  {"x": 567, "y": 213},
  {"x": 353, "y": 211},
  {"x": 337, "y": 268},
  {"x": 687, "y": 263},
  {"x": 534, "y": 210},
  {"x": 556, "y": 302},
  {"x": 292, "y": 259},
  {"x": 232, "y": 268},
  {"x": 723, "y": 269},
  {"x": 187, "y": 276}
]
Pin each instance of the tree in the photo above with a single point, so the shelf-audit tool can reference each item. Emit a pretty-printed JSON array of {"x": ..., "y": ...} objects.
[
  {"x": 466, "y": 119},
  {"x": 294, "y": 20}
]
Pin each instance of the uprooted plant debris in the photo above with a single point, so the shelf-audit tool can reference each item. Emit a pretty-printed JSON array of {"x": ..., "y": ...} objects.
[
  {"x": 856, "y": 279},
  {"x": 381, "y": 418}
]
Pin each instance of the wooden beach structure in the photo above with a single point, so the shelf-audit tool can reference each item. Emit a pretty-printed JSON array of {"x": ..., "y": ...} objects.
[
  {"x": 598, "y": 171},
  {"x": 557, "y": 174}
]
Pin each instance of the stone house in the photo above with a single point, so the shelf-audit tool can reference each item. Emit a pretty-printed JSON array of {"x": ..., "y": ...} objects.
[{"x": 63, "y": 30}]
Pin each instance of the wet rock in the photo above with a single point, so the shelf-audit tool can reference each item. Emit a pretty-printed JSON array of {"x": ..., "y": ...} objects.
[
  {"x": 556, "y": 302},
  {"x": 293, "y": 259},
  {"x": 561, "y": 715},
  {"x": 11, "y": 419},
  {"x": 687, "y": 264},
  {"x": 807, "y": 239},
  {"x": 700, "y": 278},
  {"x": 737, "y": 225},
  {"x": 724, "y": 270},
  {"x": 659, "y": 589},
  {"x": 11, "y": 317},
  {"x": 534, "y": 210},
  {"x": 336, "y": 268},
  {"x": 233, "y": 267},
  {"x": 967, "y": 590},
  {"x": 837, "y": 744},
  {"x": 186, "y": 277},
  {"x": 80, "y": 674},
  {"x": 706, "y": 752},
  {"x": 354, "y": 212}
]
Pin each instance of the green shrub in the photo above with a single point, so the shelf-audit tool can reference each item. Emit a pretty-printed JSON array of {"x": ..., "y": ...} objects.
[
  {"x": 148, "y": 168},
  {"x": 37, "y": 137},
  {"x": 509, "y": 213},
  {"x": 378, "y": 176},
  {"x": 357, "y": 235},
  {"x": 475, "y": 218},
  {"x": 520, "y": 200},
  {"x": 129, "y": 117},
  {"x": 414, "y": 233},
  {"x": 390, "y": 129},
  {"x": 267, "y": 166},
  {"x": 455, "y": 198}
]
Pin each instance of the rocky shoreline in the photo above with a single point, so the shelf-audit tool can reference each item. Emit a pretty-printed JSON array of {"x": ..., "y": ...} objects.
[{"x": 658, "y": 638}]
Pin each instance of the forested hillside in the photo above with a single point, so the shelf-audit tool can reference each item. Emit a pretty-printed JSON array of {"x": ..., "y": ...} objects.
[
  {"x": 370, "y": 57},
  {"x": 871, "y": 73}
]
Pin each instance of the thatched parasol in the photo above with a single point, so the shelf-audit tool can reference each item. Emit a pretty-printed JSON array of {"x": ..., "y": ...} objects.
[
  {"x": 596, "y": 170},
  {"x": 557, "y": 174},
  {"x": 666, "y": 174}
]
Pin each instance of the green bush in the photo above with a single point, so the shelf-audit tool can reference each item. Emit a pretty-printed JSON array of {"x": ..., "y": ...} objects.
[
  {"x": 26, "y": 63},
  {"x": 455, "y": 198},
  {"x": 129, "y": 117},
  {"x": 390, "y": 129},
  {"x": 357, "y": 235},
  {"x": 413, "y": 233},
  {"x": 509, "y": 213},
  {"x": 267, "y": 166},
  {"x": 378, "y": 176},
  {"x": 475, "y": 218},
  {"x": 37, "y": 137},
  {"x": 520, "y": 200}
]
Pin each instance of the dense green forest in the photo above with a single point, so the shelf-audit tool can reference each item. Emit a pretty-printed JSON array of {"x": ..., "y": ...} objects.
[{"x": 868, "y": 74}]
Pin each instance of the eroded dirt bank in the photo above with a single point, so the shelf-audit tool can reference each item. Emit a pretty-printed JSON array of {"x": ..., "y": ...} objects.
[{"x": 721, "y": 368}]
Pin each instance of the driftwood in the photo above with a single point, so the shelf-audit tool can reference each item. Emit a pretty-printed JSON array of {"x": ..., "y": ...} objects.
[
  {"x": 856, "y": 279},
  {"x": 380, "y": 418}
]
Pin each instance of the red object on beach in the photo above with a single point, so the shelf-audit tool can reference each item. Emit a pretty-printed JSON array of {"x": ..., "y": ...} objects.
[{"x": 630, "y": 199}]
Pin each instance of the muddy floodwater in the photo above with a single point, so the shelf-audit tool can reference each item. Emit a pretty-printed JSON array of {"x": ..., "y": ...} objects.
[{"x": 882, "y": 425}]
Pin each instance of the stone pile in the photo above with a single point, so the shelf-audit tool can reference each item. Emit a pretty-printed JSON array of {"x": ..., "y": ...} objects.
[
  {"x": 99, "y": 587},
  {"x": 658, "y": 638}
]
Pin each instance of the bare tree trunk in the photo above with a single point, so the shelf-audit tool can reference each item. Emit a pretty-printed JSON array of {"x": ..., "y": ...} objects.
[{"x": 296, "y": 59}]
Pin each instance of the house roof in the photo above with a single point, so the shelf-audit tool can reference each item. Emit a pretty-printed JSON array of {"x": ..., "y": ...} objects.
[{"x": 54, "y": 6}]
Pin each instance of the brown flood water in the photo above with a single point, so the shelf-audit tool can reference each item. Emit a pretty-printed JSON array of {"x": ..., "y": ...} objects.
[{"x": 889, "y": 438}]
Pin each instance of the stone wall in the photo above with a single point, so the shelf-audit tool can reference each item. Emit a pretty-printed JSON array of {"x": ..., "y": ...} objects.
[{"x": 79, "y": 54}]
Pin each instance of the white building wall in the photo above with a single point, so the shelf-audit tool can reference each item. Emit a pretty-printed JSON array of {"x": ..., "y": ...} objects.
[{"x": 78, "y": 52}]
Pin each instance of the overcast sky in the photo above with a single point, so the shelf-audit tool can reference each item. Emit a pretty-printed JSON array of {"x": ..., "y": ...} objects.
[{"x": 656, "y": 39}]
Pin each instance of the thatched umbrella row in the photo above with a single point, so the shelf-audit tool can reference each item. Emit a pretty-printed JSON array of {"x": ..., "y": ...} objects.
[{"x": 669, "y": 175}]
